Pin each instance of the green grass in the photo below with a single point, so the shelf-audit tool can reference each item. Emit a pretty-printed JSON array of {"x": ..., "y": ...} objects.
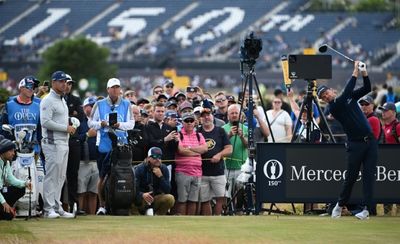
[{"x": 179, "y": 229}]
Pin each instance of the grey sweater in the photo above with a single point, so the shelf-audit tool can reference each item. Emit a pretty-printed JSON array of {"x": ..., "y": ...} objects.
[{"x": 54, "y": 119}]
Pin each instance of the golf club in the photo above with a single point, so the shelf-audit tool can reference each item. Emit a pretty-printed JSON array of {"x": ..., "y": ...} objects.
[
  {"x": 30, "y": 196},
  {"x": 324, "y": 47}
]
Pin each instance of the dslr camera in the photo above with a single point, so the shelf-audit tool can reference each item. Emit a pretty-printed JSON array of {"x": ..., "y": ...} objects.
[{"x": 250, "y": 50}]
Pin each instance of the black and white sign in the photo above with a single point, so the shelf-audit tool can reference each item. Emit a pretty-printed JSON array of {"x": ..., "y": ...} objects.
[{"x": 288, "y": 173}]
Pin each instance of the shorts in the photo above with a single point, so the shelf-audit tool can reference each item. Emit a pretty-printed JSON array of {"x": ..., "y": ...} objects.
[
  {"x": 88, "y": 176},
  {"x": 212, "y": 186},
  {"x": 188, "y": 187},
  {"x": 103, "y": 164}
]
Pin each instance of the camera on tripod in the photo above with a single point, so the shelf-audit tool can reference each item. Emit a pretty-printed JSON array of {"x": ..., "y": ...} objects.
[{"x": 250, "y": 50}]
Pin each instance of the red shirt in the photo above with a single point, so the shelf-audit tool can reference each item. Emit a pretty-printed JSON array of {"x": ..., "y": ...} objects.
[
  {"x": 389, "y": 137},
  {"x": 375, "y": 126}
]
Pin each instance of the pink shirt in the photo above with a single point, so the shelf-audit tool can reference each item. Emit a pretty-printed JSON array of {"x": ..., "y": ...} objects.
[{"x": 189, "y": 165}]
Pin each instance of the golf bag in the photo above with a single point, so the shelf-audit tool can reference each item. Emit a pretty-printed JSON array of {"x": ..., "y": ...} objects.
[
  {"x": 120, "y": 183},
  {"x": 25, "y": 162}
]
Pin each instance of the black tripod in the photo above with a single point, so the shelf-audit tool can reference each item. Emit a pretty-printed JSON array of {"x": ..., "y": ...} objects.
[
  {"x": 313, "y": 132},
  {"x": 248, "y": 186},
  {"x": 310, "y": 126}
]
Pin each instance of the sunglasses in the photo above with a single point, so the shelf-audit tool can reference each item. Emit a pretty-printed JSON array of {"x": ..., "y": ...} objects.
[
  {"x": 169, "y": 86},
  {"x": 155, "y": 156},
  {"x": 158, "y": 91},
  {"x": 189, "y": 121},
  {"x": 364, "y": 104},
  {"x": 220, "y": 100}
]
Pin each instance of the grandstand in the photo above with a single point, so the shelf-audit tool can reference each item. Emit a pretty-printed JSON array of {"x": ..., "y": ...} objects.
[{"x": 194, "y": 31}]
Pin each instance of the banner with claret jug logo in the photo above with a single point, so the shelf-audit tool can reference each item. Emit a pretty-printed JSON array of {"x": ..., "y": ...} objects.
[{"x": 314, "y": 173}]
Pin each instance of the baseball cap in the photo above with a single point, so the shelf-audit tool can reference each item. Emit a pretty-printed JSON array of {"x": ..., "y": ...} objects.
[
  {"x": 180, "y": 94},
  {"x": 59, "y": 75},
  {"x": 231, "y": 98},
  {"x": 29, "y": 82},
  {"x": 388, "y": 106},
  {"x": 113, "y": 82},
  {"x": 321, "y": 90},
  {"x": 162, "y": 95},
  {"x": 155, "y": 152},
  {"x": 89, "y": 101},
  {"x": 171, "y": 114},
  {"x": 69, "y": 78},
  {"x": 142, "y": 100},
  {"x": 128, "y": 92},
  {"x": 168, "y": 82},
  {"x": 366, "y": 99},
  {"x": 170, "y": 103},
  {"x": 197, "y": 110},
  {"x": 6, "y": 145},
  {"x": 188, "y": 115},
  {"x": 184, "y": 105}
]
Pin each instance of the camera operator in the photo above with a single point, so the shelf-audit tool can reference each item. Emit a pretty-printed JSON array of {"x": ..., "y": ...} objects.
[
  {"x": 137, "y": 137},
  {"x": 11, "y": 188},
  {"x": 152, "y": 184},
  {"x": 361, "y": 145}
]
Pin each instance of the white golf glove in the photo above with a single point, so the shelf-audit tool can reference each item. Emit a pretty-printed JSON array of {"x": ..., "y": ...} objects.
[
  {"x": 75, "y": 122},
  {"x": 362, "y": 66}
]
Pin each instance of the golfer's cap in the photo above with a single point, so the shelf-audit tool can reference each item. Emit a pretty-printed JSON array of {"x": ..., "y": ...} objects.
[
  {"x": 366, "y": 99},
  {"x": 321, "y": 90},
  {"x": 59, "y": 75},
  {"x": 155, "y": 152},
  {"x": 388, "y": 106},
  {"x": 113, "y": 82}
]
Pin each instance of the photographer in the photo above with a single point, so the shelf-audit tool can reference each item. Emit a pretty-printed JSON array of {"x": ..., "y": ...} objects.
[
  {"x": 152, "y": 185},
  {"x": 11, "y": 188}
]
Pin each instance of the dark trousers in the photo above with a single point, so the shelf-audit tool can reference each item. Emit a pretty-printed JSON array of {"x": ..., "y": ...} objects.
[
  {"x": 365, "y": 154},
  {"x": 74, "y": 157},
  {"x": 12, "y": 195}
]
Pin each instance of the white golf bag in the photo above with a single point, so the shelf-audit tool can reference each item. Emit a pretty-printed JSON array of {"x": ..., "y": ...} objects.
[{"x": 24, "y": 166}]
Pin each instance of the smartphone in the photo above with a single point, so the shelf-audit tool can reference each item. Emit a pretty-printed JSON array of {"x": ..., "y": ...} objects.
[
  {"x": 46, "y": 83},
  {"x": 235, "y": 123},
  {"x": 112, "y": 119}
]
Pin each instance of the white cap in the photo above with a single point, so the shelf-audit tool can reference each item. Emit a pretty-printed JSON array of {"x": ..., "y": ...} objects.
[{"x": 113, "y": 82}]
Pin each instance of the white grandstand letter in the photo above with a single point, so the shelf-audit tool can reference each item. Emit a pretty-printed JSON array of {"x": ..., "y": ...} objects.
[
  {"x": 55, "y": 15},
  {"x": 130, "y": 25},
  {"x": 235, "y": 17},
  {"x": 273, "y": 21},
  {"x": 297, "y": 22}
]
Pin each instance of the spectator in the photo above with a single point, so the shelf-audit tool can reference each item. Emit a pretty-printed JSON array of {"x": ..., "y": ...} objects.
[
  {"x": 237, "y": 134},
  {"x": 137, "y": 137},
  {"x": 152, "y": 184},
  {"x": 141, "y": 102},
  {"x": 390, "y": 96},
  {"x": 280, "y": 121},
  {"x": 11, "y": 188},
  {"x": 180, "y": 97},
  {"x": 169, "y": 88},
  {"x": 278, "y": 93},
  {"x": 56, "y": 131},
  {"x": 391, "y": 129},
  {"x": 88, "y": 174},
  {"x": 131, "y": 96},
  {"x": 222, "y": 106},
  {"x": 114, "y": 103},
  {"x": 157, "y": 90},
  {"x": 188, "y": 166},
  {"x": 74, "y": 110},
  {"x": 213, "y": 181}
]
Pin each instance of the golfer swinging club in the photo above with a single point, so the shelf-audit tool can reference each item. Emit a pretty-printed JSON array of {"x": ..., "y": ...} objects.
[{"x": 361, "y": 145}]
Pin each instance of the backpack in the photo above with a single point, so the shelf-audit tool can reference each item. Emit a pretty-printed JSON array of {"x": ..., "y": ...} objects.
[{"x": 120, "y": 184}]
